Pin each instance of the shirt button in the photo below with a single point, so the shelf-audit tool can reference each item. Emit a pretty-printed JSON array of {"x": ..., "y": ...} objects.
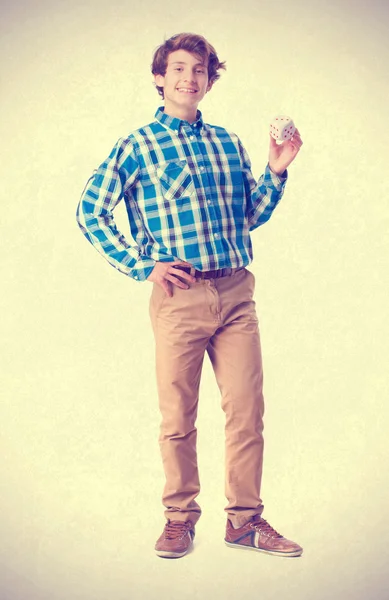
[
  {"x": 201, "y": 168},
  {"x": 209, "y": 201},
  {"x": 216, "y": 235},
  {"x": 191, "y": 137},
  {"x": 135, "y": 276}
]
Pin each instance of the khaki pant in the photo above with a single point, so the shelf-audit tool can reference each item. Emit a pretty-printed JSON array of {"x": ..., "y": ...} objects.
[{"x": 217, "y": 316}]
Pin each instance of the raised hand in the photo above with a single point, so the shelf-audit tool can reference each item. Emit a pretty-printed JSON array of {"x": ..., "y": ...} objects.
[{"x": 281, "y": 155}]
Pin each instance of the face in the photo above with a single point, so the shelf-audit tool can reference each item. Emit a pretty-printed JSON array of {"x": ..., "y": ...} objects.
[{"x": 185, "y": 82}]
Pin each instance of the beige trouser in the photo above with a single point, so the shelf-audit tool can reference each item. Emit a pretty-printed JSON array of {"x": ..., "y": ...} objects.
[{"x": 217, "y": 316}]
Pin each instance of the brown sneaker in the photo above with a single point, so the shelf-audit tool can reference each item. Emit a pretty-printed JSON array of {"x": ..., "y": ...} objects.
[
  {"x": 176, "y": 539},
  {"x": 258, "y": 535}
]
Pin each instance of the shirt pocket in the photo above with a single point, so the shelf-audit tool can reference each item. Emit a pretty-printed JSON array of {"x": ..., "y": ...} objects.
[{"x": 176, "y": 181}]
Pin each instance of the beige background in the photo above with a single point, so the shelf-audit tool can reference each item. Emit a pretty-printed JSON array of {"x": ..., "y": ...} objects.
[{"x": 81, "y": 474}]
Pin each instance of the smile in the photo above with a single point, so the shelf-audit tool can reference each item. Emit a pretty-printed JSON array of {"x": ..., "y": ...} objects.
[{"x": 187, "y": 90}]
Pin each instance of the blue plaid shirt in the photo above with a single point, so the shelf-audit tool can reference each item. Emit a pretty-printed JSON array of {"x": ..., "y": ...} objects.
[{"x": 189, "y": 194}]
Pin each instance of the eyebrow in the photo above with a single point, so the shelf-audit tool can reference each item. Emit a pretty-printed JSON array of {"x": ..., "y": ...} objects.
[{"x": 180, "y": 62}]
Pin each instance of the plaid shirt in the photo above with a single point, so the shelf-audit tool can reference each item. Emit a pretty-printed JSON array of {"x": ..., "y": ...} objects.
[{"x": 189, "y": 194}]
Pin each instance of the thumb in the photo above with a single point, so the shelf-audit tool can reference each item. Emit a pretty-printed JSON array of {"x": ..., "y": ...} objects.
[{"x": 273, "y": 143}]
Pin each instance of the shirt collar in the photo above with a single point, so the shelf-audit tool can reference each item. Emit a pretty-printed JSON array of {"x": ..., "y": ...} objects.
[{"x": 175, "y": 123}]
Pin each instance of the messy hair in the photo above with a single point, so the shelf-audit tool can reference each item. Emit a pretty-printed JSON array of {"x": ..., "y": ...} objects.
[{"x": 195, "y": 44}]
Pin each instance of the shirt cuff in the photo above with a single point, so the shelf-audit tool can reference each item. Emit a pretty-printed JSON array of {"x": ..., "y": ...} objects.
[
  {"x": 278, "y": 181},
  {"x": 142, "y": 269}
]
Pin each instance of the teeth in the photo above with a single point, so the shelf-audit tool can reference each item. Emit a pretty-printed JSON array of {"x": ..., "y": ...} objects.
[{"x": 186, "y": 90}]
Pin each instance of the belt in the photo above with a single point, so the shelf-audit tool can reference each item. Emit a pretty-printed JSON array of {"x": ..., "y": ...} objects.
[{"x": 207, "y": 274}]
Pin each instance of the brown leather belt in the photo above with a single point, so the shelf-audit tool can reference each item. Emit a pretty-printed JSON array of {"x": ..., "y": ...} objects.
[{"x": 208, "y": 274}]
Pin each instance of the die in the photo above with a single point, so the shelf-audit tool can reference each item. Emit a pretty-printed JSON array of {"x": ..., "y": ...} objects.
[{"x": 282, "y": 128}]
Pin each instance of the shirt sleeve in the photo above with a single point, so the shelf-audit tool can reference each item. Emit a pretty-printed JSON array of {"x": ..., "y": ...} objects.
[
  {"x": 102, "y": 193},
  {"x": 263, "y": 196}
]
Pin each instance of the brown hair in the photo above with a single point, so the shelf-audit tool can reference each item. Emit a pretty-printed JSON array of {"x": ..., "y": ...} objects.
[{"x": 196, "y": 44}]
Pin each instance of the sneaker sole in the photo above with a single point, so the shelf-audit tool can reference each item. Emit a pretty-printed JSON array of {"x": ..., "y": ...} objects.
[
  {"x": 170, "y": 554},
  {"x": 166, "y": 554},
  {"x": 272, "y": 552}
]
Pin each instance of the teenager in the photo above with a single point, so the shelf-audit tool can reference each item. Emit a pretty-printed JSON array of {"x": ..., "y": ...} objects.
[{"x": 192, "y": 203}]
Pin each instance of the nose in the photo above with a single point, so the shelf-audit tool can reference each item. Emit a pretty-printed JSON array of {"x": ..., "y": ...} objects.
[{"x": 189, "y": 77}]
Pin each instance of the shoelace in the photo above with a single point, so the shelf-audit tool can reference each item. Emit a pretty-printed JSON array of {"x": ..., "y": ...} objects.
[
  {"x": 176, "y": 529},
  {"x": 263, "y": 526}
]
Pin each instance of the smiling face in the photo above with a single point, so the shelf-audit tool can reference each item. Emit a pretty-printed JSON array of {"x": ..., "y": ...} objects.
[{"x": 185, "y": 84}]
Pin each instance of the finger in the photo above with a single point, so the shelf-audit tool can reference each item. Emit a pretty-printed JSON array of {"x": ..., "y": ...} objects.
[
  {"x": 296, "y": 141},
  {"x": 295, "y": 148},
  {"x": 297, "y": 135},
  {"x": 273, "y": 143},
  {"x": 177, "y": 281},
  {"x": 182, "y": 273}
]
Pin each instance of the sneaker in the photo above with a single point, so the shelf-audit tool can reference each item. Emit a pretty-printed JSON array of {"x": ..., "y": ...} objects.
[
  {"x": 176, "y": 539},
  {"x": 258, "y": 535}
]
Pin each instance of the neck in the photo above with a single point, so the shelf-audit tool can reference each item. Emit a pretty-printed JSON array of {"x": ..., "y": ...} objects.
[{"x": 181, "y": 112}]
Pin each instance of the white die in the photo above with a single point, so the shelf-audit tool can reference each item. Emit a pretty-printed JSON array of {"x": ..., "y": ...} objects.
[{"x": 282, "y": 128}]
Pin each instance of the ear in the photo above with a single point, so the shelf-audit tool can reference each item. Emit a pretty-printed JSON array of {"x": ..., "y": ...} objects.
[{"x": 159, "y": 80}]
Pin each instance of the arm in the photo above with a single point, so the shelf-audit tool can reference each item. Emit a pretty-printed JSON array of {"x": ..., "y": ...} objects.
[
  {"x": 102, "y": 193},
  {"x": 263, "y": 196}
]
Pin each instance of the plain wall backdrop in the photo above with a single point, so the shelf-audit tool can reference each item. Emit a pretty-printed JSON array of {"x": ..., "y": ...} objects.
[{"x": 81, "y": 474}]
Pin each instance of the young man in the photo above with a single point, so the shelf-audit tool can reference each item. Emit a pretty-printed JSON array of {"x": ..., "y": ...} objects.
[{"x": 192, "y": 202}]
